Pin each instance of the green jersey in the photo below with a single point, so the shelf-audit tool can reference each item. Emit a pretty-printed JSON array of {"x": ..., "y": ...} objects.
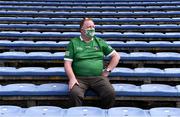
[{"x": 87, "y": 57}]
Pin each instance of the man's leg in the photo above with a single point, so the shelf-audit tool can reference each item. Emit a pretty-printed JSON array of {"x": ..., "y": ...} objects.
[
  {"x": 77, "y": 93},
  {"x": 103, "y": 87}
]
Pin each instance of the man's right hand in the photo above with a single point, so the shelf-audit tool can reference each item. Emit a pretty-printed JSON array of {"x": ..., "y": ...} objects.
[{"x": 72, "y": 82}]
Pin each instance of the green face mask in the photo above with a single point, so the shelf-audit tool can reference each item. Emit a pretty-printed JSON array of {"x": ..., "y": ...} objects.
[{"x": 90, "y": 32}]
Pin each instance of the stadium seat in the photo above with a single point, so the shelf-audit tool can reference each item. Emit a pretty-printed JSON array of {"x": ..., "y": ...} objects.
[
  {"x": 126, "y": 112},
  {"x": 138, "y": 72},
  {"x": 158, "y": 90},
  {"x": 141, "y": 56},
  {"x": 148, "y": 72},
  {"x": 18, "y": 89},
  {"x": 126, "y": 89},
  {"x": 175, "y": 72},
  {"x": 10, "y": 111},
  {"x": 164, "y": 112},
  {"x": 53, "y": 89},
  {"x": 44, "y": 111},
  {"x": 85, "y": 111}
]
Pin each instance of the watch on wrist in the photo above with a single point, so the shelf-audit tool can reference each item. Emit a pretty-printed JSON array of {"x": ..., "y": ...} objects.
[{"x": 108, "y": 70}]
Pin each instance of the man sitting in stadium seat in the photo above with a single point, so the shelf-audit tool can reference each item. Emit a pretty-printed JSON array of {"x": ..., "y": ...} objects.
[{"x": 84, "y": 65}]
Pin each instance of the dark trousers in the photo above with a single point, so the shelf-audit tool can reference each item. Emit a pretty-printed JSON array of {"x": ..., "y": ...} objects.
[{"x": 100, "y": 85}]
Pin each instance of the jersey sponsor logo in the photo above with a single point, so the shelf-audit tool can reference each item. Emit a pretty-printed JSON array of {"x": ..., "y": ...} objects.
[
  {"x": 79, "y": 48},
  {"x": 88, "y": 46}
]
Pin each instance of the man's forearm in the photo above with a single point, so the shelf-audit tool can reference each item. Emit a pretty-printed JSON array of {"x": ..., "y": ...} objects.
[
  {"x": 114, "y": 61},
  {"x": 69, "y": 70}
]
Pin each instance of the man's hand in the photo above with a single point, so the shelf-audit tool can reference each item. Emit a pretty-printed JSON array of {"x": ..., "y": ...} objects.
[
  {"x": 72, "y": 82},
  {"x": 105, "y": 73}
]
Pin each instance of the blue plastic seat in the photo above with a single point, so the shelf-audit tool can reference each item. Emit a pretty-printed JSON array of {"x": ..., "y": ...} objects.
[
  {"x": 142, "y": 56},
  {"x": 34, "y": 44},
  {"x": 136, "y": 43},
  {"x": 148, "y": 72},
  {"x": 126, "y": 112},
  {"x": 53, "y": 89},
  {"x": 164, "y": 112},
  {"x": 126, "y": 89},
  {"x": 140, "y": 44},
  {"x": 55, "y": 71},
  {"x": 13, "y": 55},
  {"x": 176, "y": 42},
  {"x": 85, "y": 111},
  {"x": 23, "y": 42},
  {"x": 168, "y": 56},
  {"x": 44, "y": 111},
  {"x": 58, "y": 55},
  {"x": 172, "y": 72},
  {"x": 172, "y": 35},
  {"x": 63, "y": 43},
  {"x": 7, "y": 71},
  {"x": 115, "y": 43},
  {"x": 158, "y": 90},
  {"x": 70, "y": 34},
  {"x": 32, "y": 71},
  {"x": 124, "y": 55},
  {"x": 10, "y": 111},
  {"x": 159, "y": 42},
  {"x": 18, "y": 89},
  {"x": 138, "y": 72},
  {"x": 5, "y": 43},
  {"x": 178, "y": 89},
  {"x": 154, "y": 34},
  {"x": 122, "y": 72},
  {"x": 32, "y": 55},
  {"x": 41, "y": 55},
  {"x": 47, "y": 44}
]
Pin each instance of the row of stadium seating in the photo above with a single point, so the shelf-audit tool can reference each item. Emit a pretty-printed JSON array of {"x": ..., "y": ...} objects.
[
  {"x": 59, "y": 46},
  {"x": 107, "y": 35},
  {"x": 100, "y": 28},
  {"x": 61, "y": 89},
  {"x": 169, "y": 56},
  {"x": 52, "y": 111},
  {"x": 157, "y": 3},
  {"x": 115, "y": 44},
  {"x": 68, "y": 8},
  {"x": 28, "y": 20},
  {"x": 120, "y": 71},
  {"x": 66, "y": 14},
  {"x": 95, "y": 1}
]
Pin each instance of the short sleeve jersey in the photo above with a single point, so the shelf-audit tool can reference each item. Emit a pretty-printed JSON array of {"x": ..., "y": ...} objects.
[{"x": 87, "y": 57}]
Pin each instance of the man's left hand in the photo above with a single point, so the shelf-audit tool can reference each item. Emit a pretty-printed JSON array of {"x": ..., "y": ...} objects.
[{"x": 105, "y": 73}]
